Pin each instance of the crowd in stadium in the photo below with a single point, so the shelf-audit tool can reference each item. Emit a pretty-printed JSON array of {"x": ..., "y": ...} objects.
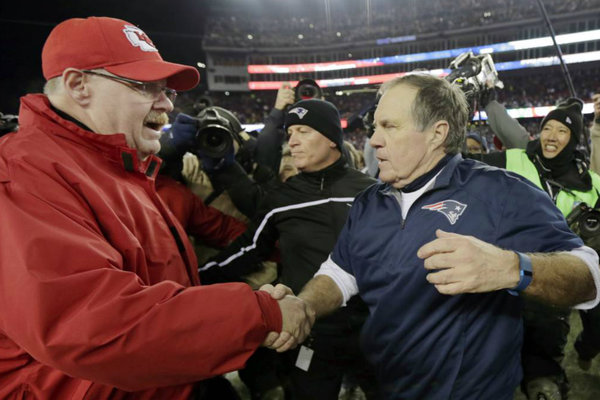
[{"x": 386, "y": 21}]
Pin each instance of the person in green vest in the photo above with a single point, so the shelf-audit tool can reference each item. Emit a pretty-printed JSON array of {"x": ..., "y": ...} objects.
[{"x": 554, "y": 164}]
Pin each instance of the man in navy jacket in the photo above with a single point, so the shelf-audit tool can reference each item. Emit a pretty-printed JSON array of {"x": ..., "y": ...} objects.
[{"x": 433, "y": 248}]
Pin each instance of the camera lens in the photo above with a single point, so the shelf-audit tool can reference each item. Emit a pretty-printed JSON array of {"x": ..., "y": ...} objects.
[
  {"x": 214, "y": 141},
  {"x": 307, "y": 89},
  {"x": 591, "y": 224},
  {"x": 307, "y": 92}
]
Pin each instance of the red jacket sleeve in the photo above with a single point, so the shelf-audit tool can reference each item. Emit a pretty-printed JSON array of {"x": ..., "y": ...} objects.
[{"x": 199, "y": 220}]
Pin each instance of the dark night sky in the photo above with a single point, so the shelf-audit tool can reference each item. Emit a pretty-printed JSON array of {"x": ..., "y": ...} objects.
[{"x": 175, "y": 26}]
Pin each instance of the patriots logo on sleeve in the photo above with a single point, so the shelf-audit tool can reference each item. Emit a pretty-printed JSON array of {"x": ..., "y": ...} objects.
[
  {"x": 452, "y": 209},
  {"x": 300, "y": 111}
]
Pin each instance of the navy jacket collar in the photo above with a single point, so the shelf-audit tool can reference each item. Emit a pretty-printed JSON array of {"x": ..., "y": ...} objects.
[{"x": 441, "y": 181}]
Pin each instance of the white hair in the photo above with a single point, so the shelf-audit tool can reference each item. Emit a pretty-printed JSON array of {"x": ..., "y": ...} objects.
[{"x": 53, "y": 86}]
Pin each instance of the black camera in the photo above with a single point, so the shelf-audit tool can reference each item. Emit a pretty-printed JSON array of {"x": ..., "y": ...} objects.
[
  {"x": 8, "y": 123},
  {"x": 368, "y": 119},
  {"x": 308, "y": 89},
  {"x": 472, "y": 73},
  {"x": 584, "y": 221},
  {"x": 217, "y": 131}
]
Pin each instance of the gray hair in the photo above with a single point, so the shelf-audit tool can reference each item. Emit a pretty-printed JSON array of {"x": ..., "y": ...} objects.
[
  {"x": 436, "y": 100},
  {"x": 53, "y": 86}
]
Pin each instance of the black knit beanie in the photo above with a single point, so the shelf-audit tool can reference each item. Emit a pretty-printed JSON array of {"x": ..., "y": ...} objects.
[
  {"x": 320, "y": 115},
  {"x": 569, "y": 112}
]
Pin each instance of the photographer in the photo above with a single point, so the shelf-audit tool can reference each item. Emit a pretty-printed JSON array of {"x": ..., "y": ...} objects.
[
  {"x": 554, "y": 165},
  {"x": 228, "y": 155}
]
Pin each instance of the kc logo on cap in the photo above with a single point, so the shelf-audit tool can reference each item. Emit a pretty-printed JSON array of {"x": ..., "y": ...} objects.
[
  {"x": 138, "y": 38},
  {"x": 114, "y": 45}
]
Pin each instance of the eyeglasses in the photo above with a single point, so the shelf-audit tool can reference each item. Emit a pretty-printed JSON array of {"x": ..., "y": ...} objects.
[{"x": 149, "y": 89}]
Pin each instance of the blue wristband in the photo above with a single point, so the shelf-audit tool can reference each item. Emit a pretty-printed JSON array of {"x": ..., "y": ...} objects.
[{"x": 525, "y": 272}]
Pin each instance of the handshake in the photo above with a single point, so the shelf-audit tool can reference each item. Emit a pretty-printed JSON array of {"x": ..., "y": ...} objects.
[{"x": 297, "y": 317}]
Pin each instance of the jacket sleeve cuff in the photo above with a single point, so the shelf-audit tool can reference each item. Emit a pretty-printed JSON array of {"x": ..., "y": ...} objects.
[{"x": 270, "y": 311}]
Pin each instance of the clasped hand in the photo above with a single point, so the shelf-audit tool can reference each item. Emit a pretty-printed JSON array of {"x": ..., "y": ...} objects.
[{"x": 297, "y": 316}]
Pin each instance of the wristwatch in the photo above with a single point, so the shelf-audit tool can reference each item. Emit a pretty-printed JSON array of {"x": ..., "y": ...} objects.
[{"x": 525, "y": 272}]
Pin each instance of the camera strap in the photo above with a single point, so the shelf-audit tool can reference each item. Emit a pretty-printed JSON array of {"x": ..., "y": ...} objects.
[
  {"x": 211, "y": 197},
  {"x": 556, "y": 185}
]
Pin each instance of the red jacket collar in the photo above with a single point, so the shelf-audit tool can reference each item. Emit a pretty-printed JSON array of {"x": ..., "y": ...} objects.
[{"x": 36, "y": 107}]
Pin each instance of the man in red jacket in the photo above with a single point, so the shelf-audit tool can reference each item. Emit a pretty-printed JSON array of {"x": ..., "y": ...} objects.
[{"x": 99, "y": 294}]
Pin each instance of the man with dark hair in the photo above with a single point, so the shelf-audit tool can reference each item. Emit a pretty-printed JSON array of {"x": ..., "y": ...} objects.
[
  {"x": 433, "y": 248},
  {"x": 99, "y": 291},
  {"x": 305, "y": 215}
]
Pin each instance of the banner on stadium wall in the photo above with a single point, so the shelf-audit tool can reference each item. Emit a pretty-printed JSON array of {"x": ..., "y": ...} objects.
[
  {"x": 526, "y": 44},
  {"x": 531, "y": 112},
  {"x": 375, "y": 79}
]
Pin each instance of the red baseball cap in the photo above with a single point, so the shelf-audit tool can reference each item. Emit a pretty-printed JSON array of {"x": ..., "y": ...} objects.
[{"x": 118, "y": 46}]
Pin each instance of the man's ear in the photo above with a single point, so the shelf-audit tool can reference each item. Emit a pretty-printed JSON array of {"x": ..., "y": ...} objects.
[
  {"x": 76, "y": 86},
  {"x": 440, "y": 131}
]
